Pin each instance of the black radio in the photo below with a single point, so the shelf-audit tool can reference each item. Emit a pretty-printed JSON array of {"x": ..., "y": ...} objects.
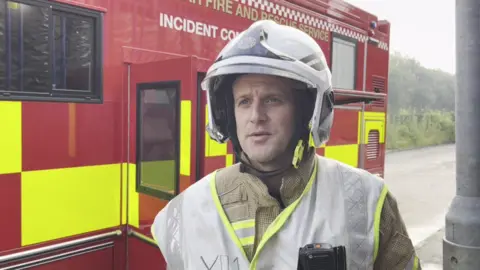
[{"x": 322, "y": 257}]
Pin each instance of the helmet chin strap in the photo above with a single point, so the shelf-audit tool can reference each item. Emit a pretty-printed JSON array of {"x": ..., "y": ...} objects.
[{"x": 246, "y": 163}]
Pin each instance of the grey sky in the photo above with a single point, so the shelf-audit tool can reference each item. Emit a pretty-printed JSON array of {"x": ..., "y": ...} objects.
[{"x": 423, "y": 29}]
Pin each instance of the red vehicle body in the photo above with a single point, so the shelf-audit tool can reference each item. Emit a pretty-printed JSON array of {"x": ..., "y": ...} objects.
[{"x": 102, "y": 119}]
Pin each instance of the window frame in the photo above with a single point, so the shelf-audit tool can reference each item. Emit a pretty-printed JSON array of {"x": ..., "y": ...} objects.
[
  {"x": 355, "y": 55},
  {"x": 96, "y": 93},
  {"x": 139, "y": 135}
]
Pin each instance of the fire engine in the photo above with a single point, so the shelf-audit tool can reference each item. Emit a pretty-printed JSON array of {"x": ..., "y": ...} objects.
[{"x": 102, "y": 117}]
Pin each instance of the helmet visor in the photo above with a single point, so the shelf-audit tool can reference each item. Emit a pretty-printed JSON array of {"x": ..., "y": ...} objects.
[
  {"x": 211, "y": 81},
  {"x": 253, "y": 43}
]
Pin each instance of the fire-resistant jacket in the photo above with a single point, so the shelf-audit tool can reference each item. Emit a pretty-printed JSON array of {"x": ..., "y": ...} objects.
[{"x": 340, "y": 205}]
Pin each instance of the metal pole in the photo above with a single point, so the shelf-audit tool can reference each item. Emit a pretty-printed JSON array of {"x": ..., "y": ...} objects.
[{"x": 461, "y": 245}]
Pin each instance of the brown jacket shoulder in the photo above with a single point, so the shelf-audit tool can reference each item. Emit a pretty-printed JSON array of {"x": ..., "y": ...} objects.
[{"x": 395, "y": 250}]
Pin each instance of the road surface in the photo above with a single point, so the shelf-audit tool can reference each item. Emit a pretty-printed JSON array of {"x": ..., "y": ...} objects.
[{"x": 423, "y": 182}]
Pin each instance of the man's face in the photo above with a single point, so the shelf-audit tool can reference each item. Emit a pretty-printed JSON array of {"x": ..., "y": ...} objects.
[{"x": 264, "y": 114}]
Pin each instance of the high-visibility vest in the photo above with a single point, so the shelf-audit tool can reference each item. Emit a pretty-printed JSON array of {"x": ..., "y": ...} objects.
[{"x": 341, "y": 205}]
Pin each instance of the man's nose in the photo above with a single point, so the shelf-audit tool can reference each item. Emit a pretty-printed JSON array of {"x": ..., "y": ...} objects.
[{"x": 257, "y": 112}]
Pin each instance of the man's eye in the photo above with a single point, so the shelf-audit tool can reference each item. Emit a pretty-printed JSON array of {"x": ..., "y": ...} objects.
[
  {"x": 273, "y": 100},
  {"x": 243, "y": 102}
]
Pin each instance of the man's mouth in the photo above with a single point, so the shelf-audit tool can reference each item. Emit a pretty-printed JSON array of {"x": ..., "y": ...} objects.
[{"x": 259, "y": 134}]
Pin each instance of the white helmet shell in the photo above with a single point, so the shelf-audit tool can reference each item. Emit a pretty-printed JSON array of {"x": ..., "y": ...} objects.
[{"x": 272, "y": 49}]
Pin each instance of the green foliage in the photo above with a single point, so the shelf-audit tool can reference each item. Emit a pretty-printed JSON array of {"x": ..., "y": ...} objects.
[
  {"x": 421, "y": 105},
  {"x": 410, "y": 129}
]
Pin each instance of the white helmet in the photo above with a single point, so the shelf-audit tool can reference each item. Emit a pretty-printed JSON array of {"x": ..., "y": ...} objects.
[{"x": 271, "y": 49}]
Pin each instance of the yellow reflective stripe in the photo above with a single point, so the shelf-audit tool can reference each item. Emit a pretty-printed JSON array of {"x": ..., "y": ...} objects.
[
  {"x": 412, "y": 263},
  {"x": 311, "y": 143},
  {"x": 133, "y": 197},
  {"x": 376, "y": 222},
  {"x": 415, "y": 264},
  {"x": 347, "y": 153},
  {"x": 228, "y": 160},
  {"x": 246, "y": 241},
  {"x": 133, "y": 204},
  {"x": 124, "y": 193},
  {"x": 373, "y": 120},
  {"x": 153, "y": 234},
  {"x": 277, "y": 224},
  {"x": 245, "y": 231},
  {"x": 213, "y": 148},
  {"x": 53, "y": 208},
  {"x": 223, "y": 216},
  {"x": 243, "y": 224},
  {"x": 375, "y": 125},
  {"x": 10, "y": 137},
  {"x": 185, "y": 136}
]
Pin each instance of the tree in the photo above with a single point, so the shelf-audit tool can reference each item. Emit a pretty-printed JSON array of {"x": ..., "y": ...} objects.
[
  {"x": 421, "y": 105},
  {"x": 412, "y": 86}
]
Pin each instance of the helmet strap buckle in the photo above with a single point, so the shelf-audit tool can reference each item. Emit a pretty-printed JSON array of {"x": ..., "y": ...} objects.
[{"x": 298, "y": 154}]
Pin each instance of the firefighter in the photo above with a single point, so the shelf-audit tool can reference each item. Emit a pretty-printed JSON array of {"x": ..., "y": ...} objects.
[{"x": 270, "y": 93}]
